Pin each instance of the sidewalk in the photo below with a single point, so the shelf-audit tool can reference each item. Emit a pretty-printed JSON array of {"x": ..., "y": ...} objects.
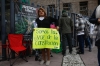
[
  {"x": 56, "y": 60},
  {"x": 72, "y": 59},
  {"x": 90, "y": 58},
  {"x": 86, "y": 59}
]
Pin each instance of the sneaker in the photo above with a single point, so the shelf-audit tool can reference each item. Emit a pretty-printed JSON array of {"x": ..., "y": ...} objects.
[
  {"x": 63, "y": 53},
  {"x": 70, "y": 52},
  {"x": 42, "y": 62},
  {"x": 80, "y": 52},
  {"x": 90, "y": 50},
  {"x": 77, "y": 48},
  {"x": 47, "y": 63}
]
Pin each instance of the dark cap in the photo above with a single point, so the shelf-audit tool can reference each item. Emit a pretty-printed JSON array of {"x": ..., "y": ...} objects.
[{"x": 63, "y": 11}]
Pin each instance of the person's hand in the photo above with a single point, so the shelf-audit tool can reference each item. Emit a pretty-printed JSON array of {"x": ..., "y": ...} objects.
[
  {"x": 57, "y": 27},
  {"x": 33, "y": 29},
  {"x": 99, "y": 20}
]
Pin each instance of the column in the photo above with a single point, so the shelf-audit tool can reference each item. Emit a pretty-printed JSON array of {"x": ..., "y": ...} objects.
[
  {"x": 12, "y": 21},
  {"x": 3, "y": 30}
]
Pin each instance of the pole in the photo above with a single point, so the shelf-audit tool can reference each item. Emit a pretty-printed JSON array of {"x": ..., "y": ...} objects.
[
  {"x": 3, "y": 30},
  {"x": 52, "y": 12},
  {"x": 98, "y": 2},
  {"x": 48, "y": 10},
  {"x": 74, "y": 30},
  {"x": 12, "y": 21},
  {"x": 59, "y": 8}
]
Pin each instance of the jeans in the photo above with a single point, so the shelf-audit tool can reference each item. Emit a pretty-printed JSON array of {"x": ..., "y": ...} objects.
[
  {"x": 98, "y": 56},
  {"x": 67, "y": 37},
  {"x": 88, "y": 41},
  {"x": 81, "y": 43}
]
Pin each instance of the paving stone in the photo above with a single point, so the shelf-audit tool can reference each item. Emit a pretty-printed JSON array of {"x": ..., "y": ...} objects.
[{"x": 72, "y": 59}]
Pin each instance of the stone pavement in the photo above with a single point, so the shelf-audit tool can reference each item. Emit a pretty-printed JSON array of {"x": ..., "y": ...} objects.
[
  {"x": 86, "y": 59},
  {"x": 72, "y": 59}
]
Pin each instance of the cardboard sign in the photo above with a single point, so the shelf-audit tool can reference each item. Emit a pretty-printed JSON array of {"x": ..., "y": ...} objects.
[{"x": 46, "y": 38}]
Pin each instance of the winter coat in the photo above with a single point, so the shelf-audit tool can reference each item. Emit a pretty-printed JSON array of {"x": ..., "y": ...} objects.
[
  {"x": 65, "y": 24},
  {"x": 80, "y": 25}
]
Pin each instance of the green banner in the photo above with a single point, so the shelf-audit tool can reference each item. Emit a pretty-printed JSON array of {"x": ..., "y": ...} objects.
[
  {"x": 26, "y": 1},
  {"x": 45, "y": 38}
]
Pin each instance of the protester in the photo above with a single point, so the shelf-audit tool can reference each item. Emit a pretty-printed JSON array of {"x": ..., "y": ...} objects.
[
  {"x": 44, "y": 22},
  {"x": 65, "y": 27},
  {"x": 80, "y": 25},
  {"x": 95, "y": 19}
]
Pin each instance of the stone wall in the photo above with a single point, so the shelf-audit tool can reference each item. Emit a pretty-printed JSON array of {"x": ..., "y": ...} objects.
[{"x": 75, "y": 4}]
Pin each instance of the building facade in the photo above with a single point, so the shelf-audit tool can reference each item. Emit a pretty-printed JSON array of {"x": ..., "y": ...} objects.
[{"x": 84, "y": 7}]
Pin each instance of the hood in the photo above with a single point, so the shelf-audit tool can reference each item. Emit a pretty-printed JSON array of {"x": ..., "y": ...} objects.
[{"x": 64, "y": 14}]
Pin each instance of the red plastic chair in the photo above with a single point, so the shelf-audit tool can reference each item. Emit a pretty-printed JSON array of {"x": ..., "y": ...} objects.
[{"x": 15, "y": 42}]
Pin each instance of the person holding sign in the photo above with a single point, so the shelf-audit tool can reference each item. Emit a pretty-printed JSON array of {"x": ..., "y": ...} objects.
[{"x": 44, "y": 22}]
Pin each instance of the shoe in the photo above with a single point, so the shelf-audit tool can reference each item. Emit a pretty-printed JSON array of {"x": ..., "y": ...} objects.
[
  {"x": 51, "y": 55},
  {"x": 64, "y": 53},
  {"x": 70, "y": 52},
  {"x": 77, "y": 48},
  {"x": 90, "y": 50},
  {"x": 80, "y": 52},
  {"x": 36, "y": 58},
  {"x": 47, "y": 63},
  {"x": 86, "y": 46},
  {"x": 42, "y": 62}
]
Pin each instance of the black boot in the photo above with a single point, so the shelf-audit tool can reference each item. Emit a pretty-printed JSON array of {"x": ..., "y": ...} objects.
[
  {"x": 90, "y": 50},
  {"x": 80, "y": 52},
  {"x": 64, "y": 52},
  {"x": 70, "y": 52}
]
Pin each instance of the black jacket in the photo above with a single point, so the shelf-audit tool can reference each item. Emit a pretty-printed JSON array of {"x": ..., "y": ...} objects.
[
  {"x": 93, "y": 18},
  {"x": 45, "y": 23}
]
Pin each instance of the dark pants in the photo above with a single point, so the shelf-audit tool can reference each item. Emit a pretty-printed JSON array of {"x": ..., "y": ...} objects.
[
  {"x": 81, "y": 43},
  {"x": 67, "y": 36},
  {"x": 88, "y": 42},
  {"x": 99, "y": 56}
]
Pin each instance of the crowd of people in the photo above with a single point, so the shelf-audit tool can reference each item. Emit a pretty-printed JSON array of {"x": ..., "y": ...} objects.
[{"x": 65, "y": 27}]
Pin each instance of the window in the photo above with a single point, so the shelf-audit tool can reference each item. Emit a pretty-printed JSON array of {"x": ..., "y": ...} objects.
[
  {"x": 67, "y": 6},
  {"x": 84, "y": 8},
  {"x": 51, "y": 7}
]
